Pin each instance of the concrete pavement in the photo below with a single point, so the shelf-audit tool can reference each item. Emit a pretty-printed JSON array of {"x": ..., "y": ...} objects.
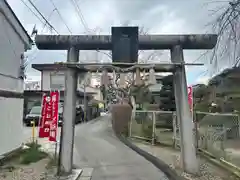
[
  {"x": 102, "y": 156},
  {"x": 106, "y": 158}
]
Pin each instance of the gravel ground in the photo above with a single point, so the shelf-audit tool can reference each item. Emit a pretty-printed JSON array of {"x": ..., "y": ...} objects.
[
  {"x": 34, "y": 171},
  {"x": 170, "y": 156}
]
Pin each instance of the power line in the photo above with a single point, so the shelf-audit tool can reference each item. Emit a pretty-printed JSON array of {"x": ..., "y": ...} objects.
[
  {"x": 80, "y": 15},
  {"x": 50, "y": 15},
  {"x": 61, "y": 17},
  {"x": 47, "y": 22},
  {"x": 32, "y": 12},
  {"x": 84, "y": 23}
]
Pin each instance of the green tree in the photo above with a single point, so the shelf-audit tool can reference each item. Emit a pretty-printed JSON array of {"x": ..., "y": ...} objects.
[
  {"x": 200, "y": 92},
  {"x": 167, "y": 99}
]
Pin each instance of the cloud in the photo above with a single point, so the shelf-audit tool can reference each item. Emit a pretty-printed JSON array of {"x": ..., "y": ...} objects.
[{"x": 165, "y": 17}]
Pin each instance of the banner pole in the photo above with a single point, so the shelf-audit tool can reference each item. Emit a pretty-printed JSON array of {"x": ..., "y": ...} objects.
[
  {"x": 40, "y": 118},
  {"x": 33, "y": 131}
]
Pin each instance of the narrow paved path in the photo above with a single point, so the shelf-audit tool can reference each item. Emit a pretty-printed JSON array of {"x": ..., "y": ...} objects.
[{"x": 97, "y": 147}]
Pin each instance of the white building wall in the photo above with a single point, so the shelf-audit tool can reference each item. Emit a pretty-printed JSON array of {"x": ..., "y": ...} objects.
[
  {"x": 11, "y": 109},
  {"x": 46, "y": 80},
  {"x": 11, "y": 128},
  {"x": 46, "y": 84},
  {"x": 97, "y": 93}
]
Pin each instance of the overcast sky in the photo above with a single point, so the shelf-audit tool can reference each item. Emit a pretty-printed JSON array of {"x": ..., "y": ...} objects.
[{"x": 156, "y": 16}]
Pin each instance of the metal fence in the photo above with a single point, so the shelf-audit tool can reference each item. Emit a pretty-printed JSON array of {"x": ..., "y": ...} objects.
[
  {"x": 154, "y": 126},
  {"x": 216, "y": 133},
  {"x": 219, "y": 134}
]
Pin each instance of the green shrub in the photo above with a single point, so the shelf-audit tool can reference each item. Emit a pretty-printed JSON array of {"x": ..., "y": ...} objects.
[{"x": 33, "y": 154}]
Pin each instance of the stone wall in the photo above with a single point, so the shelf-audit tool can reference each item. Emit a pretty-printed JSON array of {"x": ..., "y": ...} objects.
[{"x": 121, "y": 116}]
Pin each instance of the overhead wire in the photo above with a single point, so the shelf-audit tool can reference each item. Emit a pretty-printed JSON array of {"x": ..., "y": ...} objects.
[
  {"x": 47, "y": 22},
  {"x": 84, "y": 23},
  {"x": 80, "y": 15},
  {"x": 36, "y": 50},
  {"x": 44, "y": 21},
  {"x": 32, "y": 12},
  {"x": 61, "y": 17},
  {"x": 50, "y": 15}
]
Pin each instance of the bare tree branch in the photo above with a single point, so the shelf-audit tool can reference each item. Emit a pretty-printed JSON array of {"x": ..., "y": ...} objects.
[{"x": 227, "y": 25}]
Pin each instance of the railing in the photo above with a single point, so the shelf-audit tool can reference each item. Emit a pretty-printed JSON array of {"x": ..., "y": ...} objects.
[
  {"x": 154, "y": 126},
  {"x": 218, "y": 134}
]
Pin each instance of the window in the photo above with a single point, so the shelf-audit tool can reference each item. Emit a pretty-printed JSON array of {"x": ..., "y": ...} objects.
[
  {"x": 36, "y": 110},
  {"x": 57, "y": 81},
  {"x": 159, "y": 81}
]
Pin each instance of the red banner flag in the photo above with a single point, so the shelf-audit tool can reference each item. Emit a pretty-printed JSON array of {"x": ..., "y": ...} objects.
[
  {"x": 190, "y": 98},
  {"x": 46, "y": 117},
  {"x": 54, "y": 124}
]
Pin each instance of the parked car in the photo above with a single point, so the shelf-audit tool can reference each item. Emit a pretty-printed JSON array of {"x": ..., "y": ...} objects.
[{"x": 35, "y": 114}]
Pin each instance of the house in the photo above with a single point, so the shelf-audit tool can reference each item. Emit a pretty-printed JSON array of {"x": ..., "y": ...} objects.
[
  {"x": 54, "y": 79},
  {"x": 226, "y": 83},
  {"x": 95, "y": 91},
  {"x": 14, "y": 42},
  {"x": 223, "y": 90},
  {"x": 32, "y": 85}
]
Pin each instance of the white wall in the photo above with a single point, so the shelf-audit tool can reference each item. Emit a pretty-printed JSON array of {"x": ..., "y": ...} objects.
[
  {"x": 97, "y": 93},
  {"x": 11, "y": 128},
  {"x": 11, "y": 109},
  {"x": 11, "y": 49},
  {"x": 10, "y": 83},
  {"x": 46, "y": 80},
  {"x": 46, "y": 84}
]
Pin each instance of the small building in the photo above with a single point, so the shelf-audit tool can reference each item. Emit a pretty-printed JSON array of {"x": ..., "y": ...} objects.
[
  {"x": 95, "y": 91},
  {"x": 14, "y": 41},
  {"x": 54, "y": 79}
]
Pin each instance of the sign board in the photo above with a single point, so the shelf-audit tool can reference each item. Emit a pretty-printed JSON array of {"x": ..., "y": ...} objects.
[
  {"x": 125, "y": 44},
  {"x": 48, "y": 122},
  {"x": 55, "y": 96},
  {"x": 46, "y": 117}
]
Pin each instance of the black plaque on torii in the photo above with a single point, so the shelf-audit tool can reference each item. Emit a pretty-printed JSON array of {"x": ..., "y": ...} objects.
[{"x": 125, "y": 44}]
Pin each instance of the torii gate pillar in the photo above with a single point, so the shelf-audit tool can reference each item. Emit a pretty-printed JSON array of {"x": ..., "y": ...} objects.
[
  {"x": 184, "y": 117},
  {"x": 69, "y": 113}
]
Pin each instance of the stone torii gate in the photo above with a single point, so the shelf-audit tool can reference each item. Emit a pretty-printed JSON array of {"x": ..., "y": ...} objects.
[{"x": 175, "y": 43}]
